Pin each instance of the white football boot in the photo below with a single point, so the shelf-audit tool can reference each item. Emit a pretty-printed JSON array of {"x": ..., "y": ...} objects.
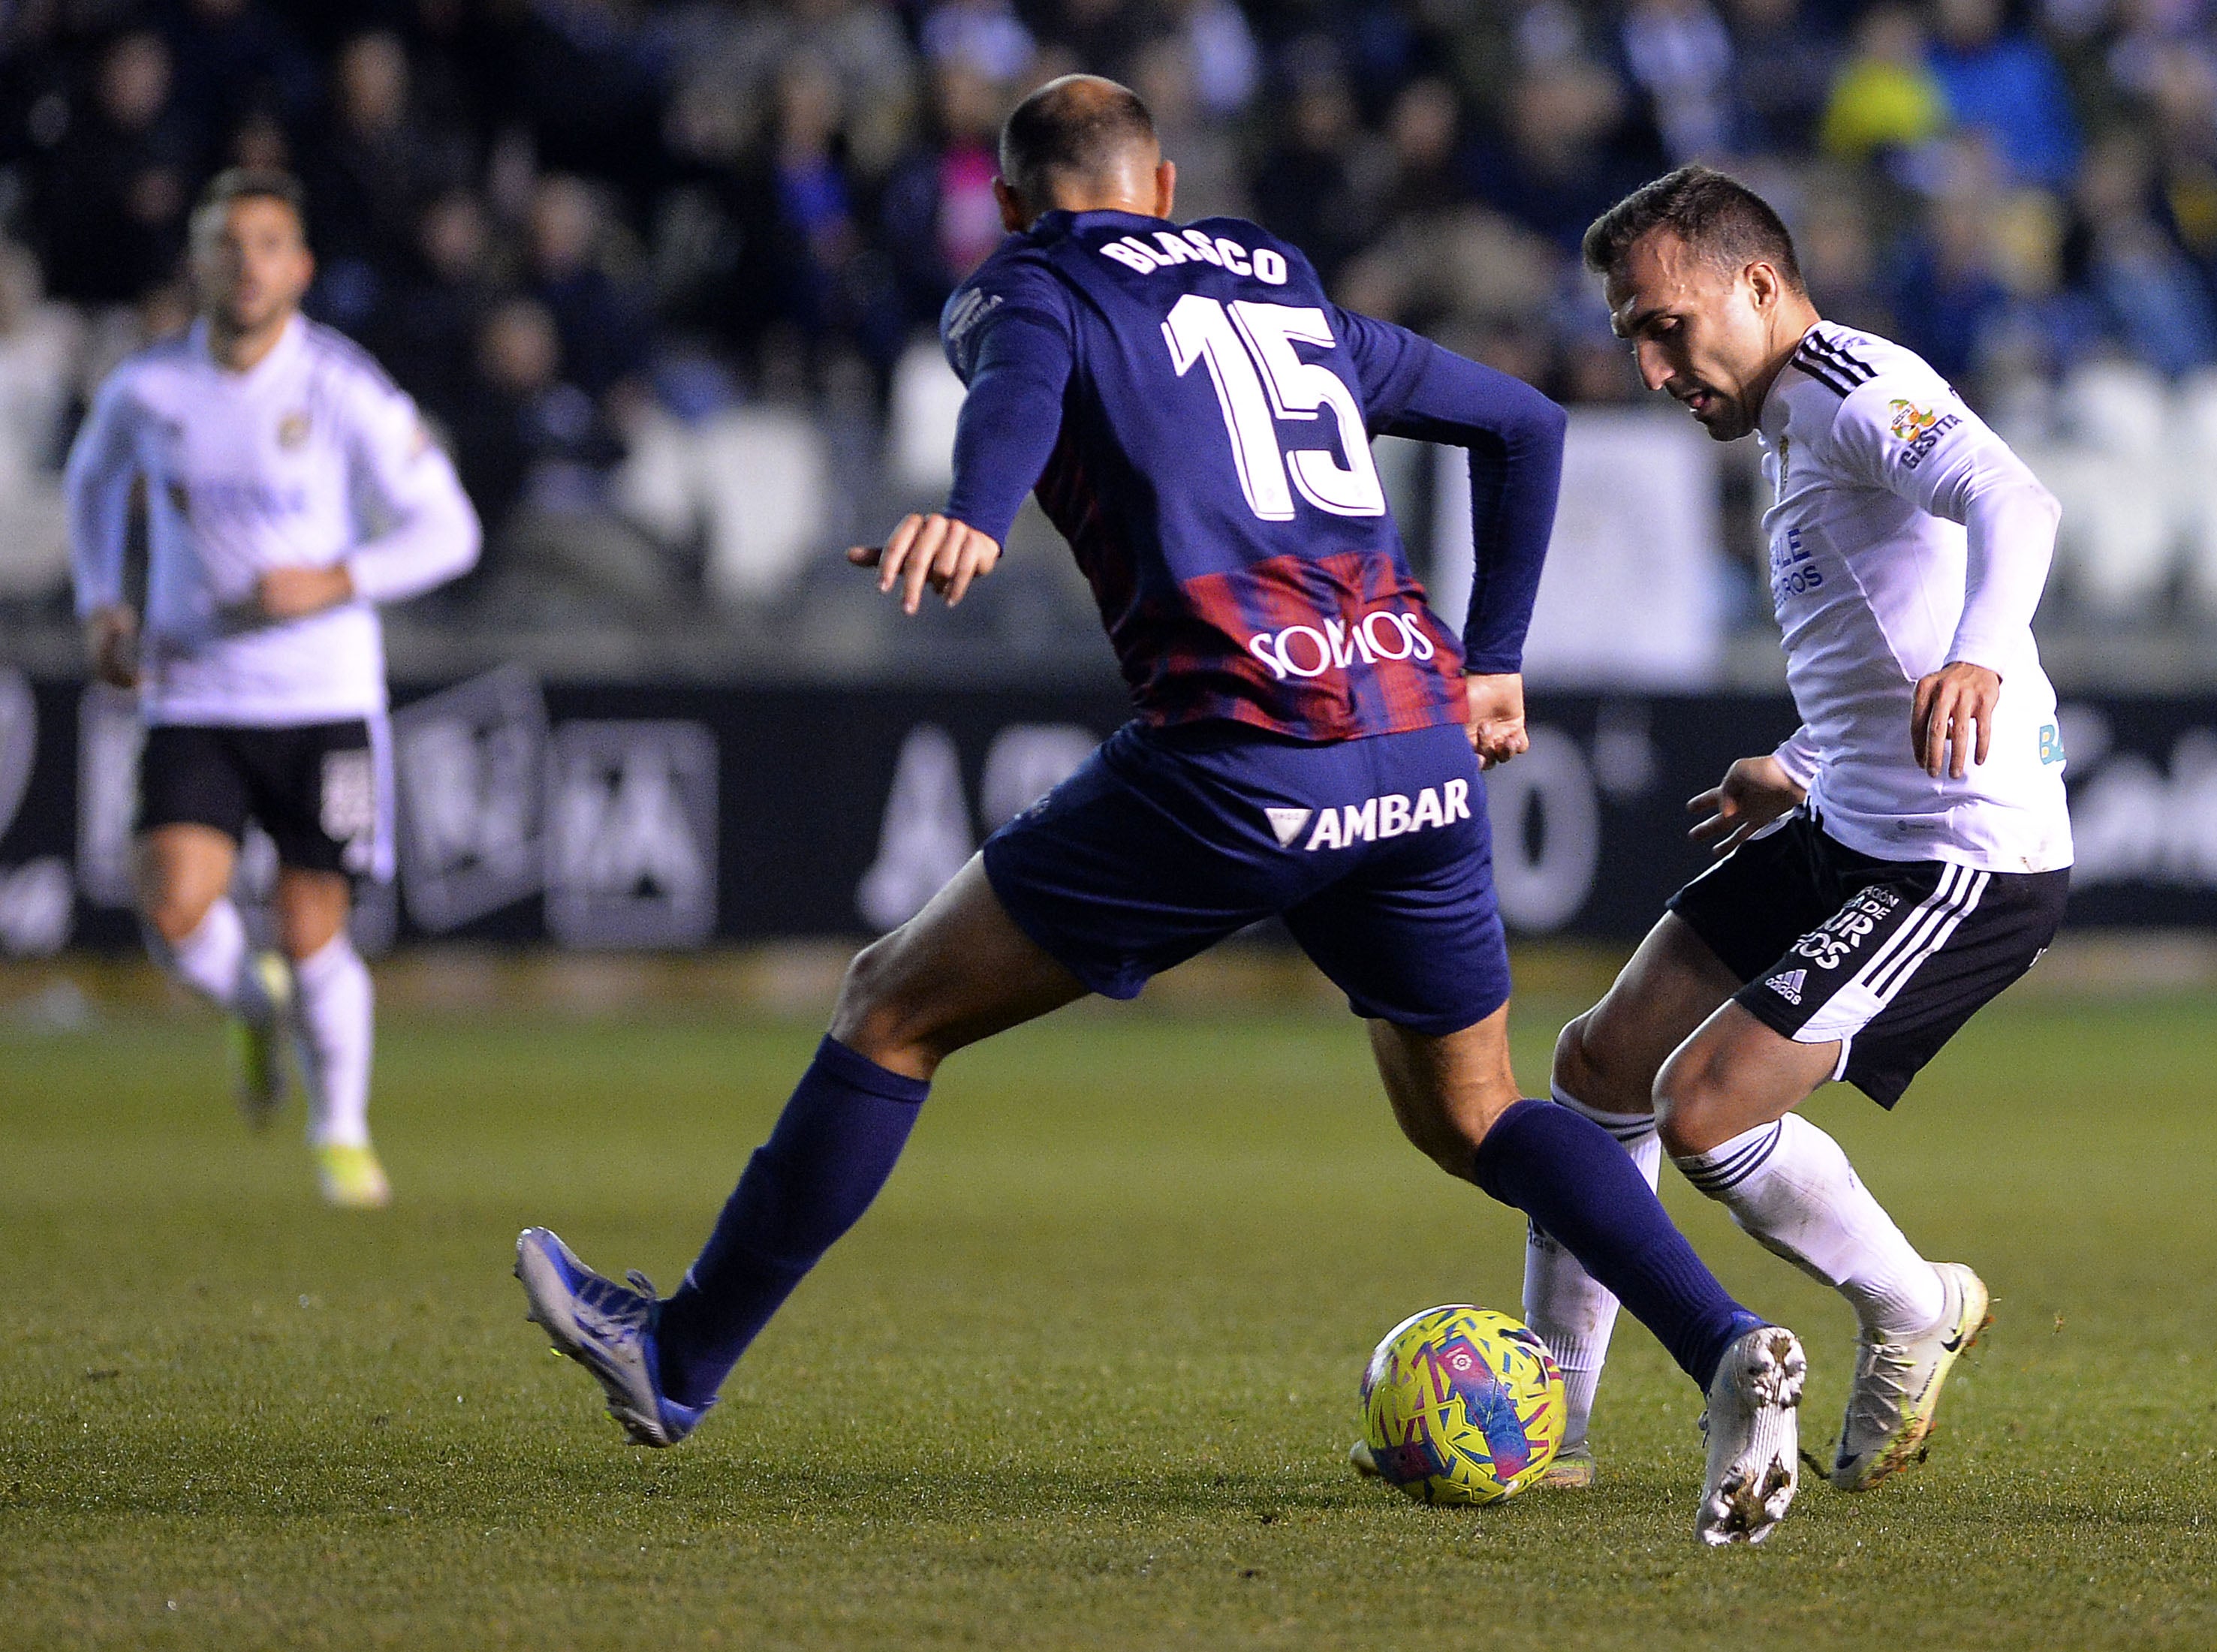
[
  {"x": 1754, "y": 1440},
  {"x": 1896, "y": 1397}
]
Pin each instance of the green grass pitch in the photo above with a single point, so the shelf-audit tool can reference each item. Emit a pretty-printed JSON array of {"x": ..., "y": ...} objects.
[{"x": 1084, "y": 1376}]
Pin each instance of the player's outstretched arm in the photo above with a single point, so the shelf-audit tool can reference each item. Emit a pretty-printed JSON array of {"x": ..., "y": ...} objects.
[
  {"x": 935, "y": 550},
  {"x": 1754, "y": 791}
]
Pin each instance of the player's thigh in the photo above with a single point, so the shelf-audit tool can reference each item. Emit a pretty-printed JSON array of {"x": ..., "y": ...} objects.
[
  {"x": 1735, "y": 1074},
  {"x": 317, "y": 790},
  {"x": 311, "y": 908},
  {"x": 958, "y": 971},
  {"x": 182, "y": 869},
  {"x": 1609, "y": 1056},
  {"x": 193, "y": 807},
  {"x": 1448, "y": 1088}
]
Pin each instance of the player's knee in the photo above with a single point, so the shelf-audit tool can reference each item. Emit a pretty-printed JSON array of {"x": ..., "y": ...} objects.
[
  {"x": 1689, "y": 1098},
  {"x": 1588, "y": 1068},
  {"x": 874, "y": 1018},
  {"x": 171, "y": 912}
]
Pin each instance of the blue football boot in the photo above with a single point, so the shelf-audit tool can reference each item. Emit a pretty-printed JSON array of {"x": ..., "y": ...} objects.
[{"x": 607, "y": 1327}]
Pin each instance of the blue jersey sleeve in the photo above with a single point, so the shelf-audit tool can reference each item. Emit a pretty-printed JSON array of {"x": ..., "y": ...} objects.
[
  {"x": 1413, "y": 387},
  {"x": 1010, "y": 420},
  {"x": 1007, "y": 336}
]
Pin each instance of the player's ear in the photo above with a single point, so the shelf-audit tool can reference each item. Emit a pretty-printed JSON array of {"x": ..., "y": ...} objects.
[
  {"x": 1015, "y": 219},
  {"x": 1165, "y": 188},
  {"x": 1763, "y": 284}
]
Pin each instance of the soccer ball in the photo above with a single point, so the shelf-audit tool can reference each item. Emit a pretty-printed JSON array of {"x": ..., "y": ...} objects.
[{"x": 1462, "y": 1405}]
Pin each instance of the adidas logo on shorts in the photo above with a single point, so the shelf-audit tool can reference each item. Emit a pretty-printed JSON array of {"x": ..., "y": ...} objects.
[{"x": 1788, "y": 984}]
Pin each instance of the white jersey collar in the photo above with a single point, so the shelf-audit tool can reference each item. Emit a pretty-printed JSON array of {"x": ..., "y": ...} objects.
[{"x": 290, "y": 342}]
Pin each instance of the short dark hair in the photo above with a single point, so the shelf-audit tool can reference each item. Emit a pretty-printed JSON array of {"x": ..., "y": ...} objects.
[
  {"x": 238, "y": 184},
  {"x": 1719, "y": 217},
  {"x": 1072, "y": 127}
]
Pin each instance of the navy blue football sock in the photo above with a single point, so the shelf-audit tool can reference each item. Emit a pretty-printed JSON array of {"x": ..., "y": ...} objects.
[
  {"x": 833, "y": 1146},
  {"x": 1569, "y": 1176}
]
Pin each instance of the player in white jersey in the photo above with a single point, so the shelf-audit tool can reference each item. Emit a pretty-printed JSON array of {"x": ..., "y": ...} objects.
[
  {"x": 289, "y": 488},
  {"x": 1890, "y": 868}
]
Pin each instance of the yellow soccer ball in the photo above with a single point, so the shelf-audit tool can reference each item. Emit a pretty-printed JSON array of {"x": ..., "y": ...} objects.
[{"x": 1462, "y": 1405}]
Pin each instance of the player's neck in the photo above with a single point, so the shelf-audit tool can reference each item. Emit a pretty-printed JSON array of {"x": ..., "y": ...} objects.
[
  {"x": 1791, "y": 327},
  {"x": 241, "y": 350}
]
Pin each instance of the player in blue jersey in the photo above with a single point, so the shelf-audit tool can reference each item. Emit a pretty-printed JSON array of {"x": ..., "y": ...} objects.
[{"x": 1195, "y": 414}]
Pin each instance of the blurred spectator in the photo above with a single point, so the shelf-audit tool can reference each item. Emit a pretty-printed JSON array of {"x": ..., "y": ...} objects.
[
  {"x": 1317, "y": 185},
  {"x": 1105, "y": 35},
  {"x": 838, "y": 287},
  {"x": 1947, "y": 291},
  {"x": 118, "y": 190},
  {"x": 39, "y": 346},
  {"x": 384, "y": 157},
  {"x": 1211, "y": 169},
  {"x": 427, "y": 334},
  {"x": 526, "y": 437},
  {"x": 984, "y": 35},
  {"x": 941, "y": 218},
  {"x": 1680, "y": 57},
  {"x": 1566, "y": 157},
  {"x": 233, "y": 54},
  {"x": 2007, "y": 86},
  {"x": 1781, "y": 69},
  {"x": 1219, "y": 49},
  {"x": 588, "y": 81},
  {"x": 603, "y": 323},
  {"x": 2158, "y": 307},
  {"x": 1885, "y": 97},
  {"x": 1839, "y": 253},
  {"x": 728, "y": 61}
]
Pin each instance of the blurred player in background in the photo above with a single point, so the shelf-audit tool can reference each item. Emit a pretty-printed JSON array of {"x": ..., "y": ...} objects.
[
  {"x": 289, "y": 488},
  {"x": 1196, "y": 415},
  {"x": 1899, "y": 861}
]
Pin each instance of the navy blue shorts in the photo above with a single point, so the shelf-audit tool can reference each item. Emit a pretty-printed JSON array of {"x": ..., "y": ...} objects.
[{"x": 1375, "y": 853}]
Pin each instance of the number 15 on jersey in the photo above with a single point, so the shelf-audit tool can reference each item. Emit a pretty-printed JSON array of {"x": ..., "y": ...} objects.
[{"x": 1260, "y": 379}]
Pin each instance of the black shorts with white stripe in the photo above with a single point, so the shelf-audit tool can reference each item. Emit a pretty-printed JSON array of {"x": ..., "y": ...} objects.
[{"x": 1888, "y": 956}]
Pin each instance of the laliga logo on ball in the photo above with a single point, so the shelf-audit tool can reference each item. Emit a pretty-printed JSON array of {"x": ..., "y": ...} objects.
[{"x": 1462, "y": 1405}]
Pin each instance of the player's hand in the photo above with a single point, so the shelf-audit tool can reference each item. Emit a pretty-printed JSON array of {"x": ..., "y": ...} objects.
[
  {"x": 1754, "y": 792},
  {"x": 295, "y": 593},
  {"x": 111, "y": 645},
  {"x": 1948, "y": 702},
  {"x": 935, "y": 550},
  {"x": 1497, "y": 718}
]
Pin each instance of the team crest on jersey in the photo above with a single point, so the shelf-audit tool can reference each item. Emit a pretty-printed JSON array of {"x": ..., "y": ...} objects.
[{"x": 292, "y": 428}]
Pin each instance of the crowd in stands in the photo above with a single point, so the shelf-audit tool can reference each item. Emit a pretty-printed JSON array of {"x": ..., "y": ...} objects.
[{"x": 603, "y": 241}]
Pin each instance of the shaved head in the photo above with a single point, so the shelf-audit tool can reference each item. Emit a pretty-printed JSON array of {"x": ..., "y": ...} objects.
[{"x": 1077, "y": 137}]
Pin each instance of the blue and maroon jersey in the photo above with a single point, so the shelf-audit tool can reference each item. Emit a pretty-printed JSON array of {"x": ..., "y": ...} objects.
[{"x": 1195, "y": 416}]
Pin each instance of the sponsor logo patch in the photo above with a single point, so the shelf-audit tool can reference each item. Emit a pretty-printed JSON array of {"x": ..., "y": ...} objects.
[
  {"x": 1287, "y": 823},
  {"x": 1311, "y": 650},
  {"x": 1788, "y": 984},
  {"x": 1386, "y": 815},
  {"x": 1843, "y": 932},
  {"x": 1920, "y": 428},
  {"x": 292, "y": 428}
]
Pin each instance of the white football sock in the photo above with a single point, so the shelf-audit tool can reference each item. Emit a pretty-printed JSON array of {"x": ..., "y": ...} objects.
[
  {"x": 1564, "y": 1306},
  {"x": 334, "y": 1001},
  {"x": 215, "y": 962},
  {"x": 1789, "y": 1184}
]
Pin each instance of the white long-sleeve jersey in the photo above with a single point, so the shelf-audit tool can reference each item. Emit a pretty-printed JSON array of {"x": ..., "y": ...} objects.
[
  {"x": 1906, "y": 536},
  {"x": 311, "y": 458}
]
